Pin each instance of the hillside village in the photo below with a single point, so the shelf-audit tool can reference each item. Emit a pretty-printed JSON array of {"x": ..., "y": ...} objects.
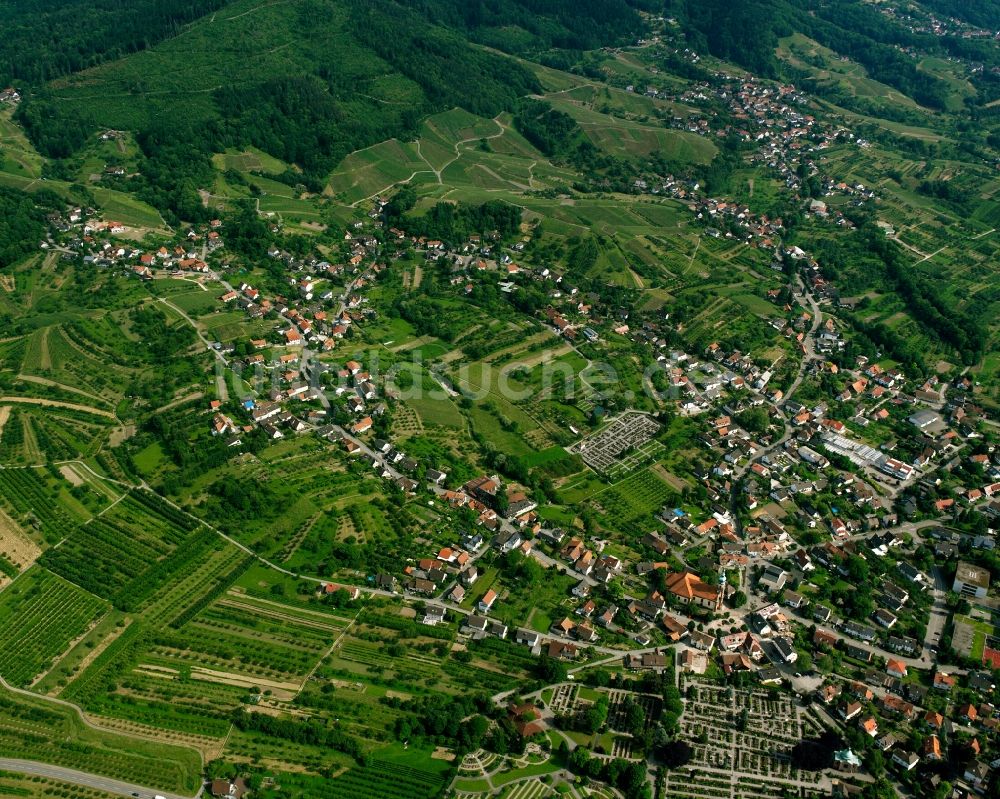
[
  {"x": 796, "y": 497},
  {"x": 614, "y": 477}
]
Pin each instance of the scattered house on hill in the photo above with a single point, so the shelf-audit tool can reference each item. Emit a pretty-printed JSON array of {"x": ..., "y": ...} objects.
[
  {"x": 475, "y": 624},
  {"x": 907, "y": 760},
  {"x": 352, "y": 591},
  {"x": 977, "y": 774},
  {"x": 433, "y": 616},
  {"x": 785, "y": 650},
  {"x": 648, "y": 660},
  {"x": 943, "y": 682},
  {"x": 829, "y": 693},
  {"x": 884, "y": 618},
  {"x": 561, "y": 650},
  {"x": 932, "y": 747},
  {"x": 674, "y": 628},
  {"x": 362, "y": 425}
]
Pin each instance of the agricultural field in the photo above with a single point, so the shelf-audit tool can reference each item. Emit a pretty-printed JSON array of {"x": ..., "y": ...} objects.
[
  {"x": 40, "y": 614},
  {"x": 35, "y": 729},
  {"x": 393, "y": 773},
  {"x": 835, "y": 71},
  {"x": 625, "y": 138},
  {"x": 111, "y": 554},
  {"x": 41, "y": 503}
]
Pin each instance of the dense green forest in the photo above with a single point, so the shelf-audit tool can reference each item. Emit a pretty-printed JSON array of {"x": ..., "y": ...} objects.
[
  {"x": 453, "y": 223},
  {"x": 521, "y": 26},
  {"x": 42, "y": 40},
  {"x": 22, "y": 225},
  {"x": 553, "y": 132}
]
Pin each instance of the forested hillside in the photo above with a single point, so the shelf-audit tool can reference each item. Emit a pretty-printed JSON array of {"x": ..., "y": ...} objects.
[
  {"x": 22, "y": 225},
  {"x": 42, "y": 40},
  {"x": 526, "y": 26},
  {"x": 307, "y": 81},
  {"x": 855, "y": 30}
]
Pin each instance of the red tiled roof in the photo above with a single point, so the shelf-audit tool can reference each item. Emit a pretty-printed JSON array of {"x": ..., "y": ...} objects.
[{"x": 689, "y": 586}]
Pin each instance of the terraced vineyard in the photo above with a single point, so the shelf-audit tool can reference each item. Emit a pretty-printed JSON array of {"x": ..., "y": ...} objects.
[
  {"x": 30, "y": 499},
  {"x": 111, "y": 551},
  {"x": 169, "y": 590},
  {"x": 389, "y": 780},
  {"x": 39, "y": 615},
  {"x": 381, "y": 778}
]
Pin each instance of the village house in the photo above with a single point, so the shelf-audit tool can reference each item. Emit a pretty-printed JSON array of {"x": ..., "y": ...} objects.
[{"x": 693, "y": 590}]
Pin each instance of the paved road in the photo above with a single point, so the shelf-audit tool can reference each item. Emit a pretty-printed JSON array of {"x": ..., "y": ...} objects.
[
  {"x": 808, "y": 341},
  {"x": 810, "y": 355},
  {"x": 83, "y": 778}
]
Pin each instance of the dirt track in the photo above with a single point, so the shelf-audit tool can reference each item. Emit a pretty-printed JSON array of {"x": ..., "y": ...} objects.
[{"x": 57, "y": 404}]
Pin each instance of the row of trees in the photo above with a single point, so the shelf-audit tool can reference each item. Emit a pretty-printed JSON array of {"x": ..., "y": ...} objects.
[
  {"x": 956, "y": 328},
  {"x": 311, "y": 732}
]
